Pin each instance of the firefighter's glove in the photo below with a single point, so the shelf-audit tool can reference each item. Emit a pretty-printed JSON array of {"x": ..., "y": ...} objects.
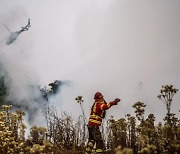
[{"x": 116, "y": 101}]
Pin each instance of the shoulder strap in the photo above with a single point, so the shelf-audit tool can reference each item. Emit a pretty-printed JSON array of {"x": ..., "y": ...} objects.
[{"x": 92, "y": 109}]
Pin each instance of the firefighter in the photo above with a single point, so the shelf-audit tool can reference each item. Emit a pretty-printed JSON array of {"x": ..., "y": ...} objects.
[{"x": 98, "y": 112}]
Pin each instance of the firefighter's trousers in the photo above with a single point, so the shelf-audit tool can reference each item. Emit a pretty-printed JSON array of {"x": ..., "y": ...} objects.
[{"x": 94, "y": 138}]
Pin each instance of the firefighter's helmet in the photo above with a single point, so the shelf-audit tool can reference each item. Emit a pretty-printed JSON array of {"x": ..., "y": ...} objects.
[{"x": 98, "y": 95}]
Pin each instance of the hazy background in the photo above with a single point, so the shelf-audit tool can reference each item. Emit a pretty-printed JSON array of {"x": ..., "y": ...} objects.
[{"x": 122, "y": 48}]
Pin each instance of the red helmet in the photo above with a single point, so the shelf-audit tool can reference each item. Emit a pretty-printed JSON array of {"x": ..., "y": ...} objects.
[{"x": 98, "y": 95}]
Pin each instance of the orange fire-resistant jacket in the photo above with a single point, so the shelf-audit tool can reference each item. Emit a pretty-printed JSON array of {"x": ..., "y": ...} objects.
[{"x": 97, "y": 112}]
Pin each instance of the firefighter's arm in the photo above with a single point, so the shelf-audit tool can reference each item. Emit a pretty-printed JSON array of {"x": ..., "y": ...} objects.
[{"x": 108, "y": 105}]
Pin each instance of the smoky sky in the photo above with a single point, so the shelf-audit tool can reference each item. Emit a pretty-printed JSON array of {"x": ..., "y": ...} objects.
[{"x": 123, "y": 48}]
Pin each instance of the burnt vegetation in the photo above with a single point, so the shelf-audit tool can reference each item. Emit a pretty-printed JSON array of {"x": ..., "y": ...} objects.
[{"x": 136, "y": 133}]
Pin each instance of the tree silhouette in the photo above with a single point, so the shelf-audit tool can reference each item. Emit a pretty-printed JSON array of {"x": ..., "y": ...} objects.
[{"x": 166, "y": 95}]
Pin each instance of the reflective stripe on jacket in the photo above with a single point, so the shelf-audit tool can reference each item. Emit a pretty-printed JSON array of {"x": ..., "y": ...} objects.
[{"x": 97, "y": 112}]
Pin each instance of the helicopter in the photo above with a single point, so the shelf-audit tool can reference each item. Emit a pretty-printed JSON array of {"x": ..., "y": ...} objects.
[{"x": 13, "y": 35}]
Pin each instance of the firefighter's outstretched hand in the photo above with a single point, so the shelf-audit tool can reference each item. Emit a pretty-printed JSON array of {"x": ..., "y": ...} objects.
[{"x": 116, "y": 101}]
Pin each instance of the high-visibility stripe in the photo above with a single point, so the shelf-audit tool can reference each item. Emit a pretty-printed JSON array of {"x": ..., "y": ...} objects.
[
  {"x": 102, "y": 106},
  {"x": 94, "y": 121},
  {"x": 94, "y": 107},
  {"x": 108, "y": 106},
  {"x": 94, "y": 116},
  {"x": 99, "y": 150},
  {"x": 97, "y": 119}
]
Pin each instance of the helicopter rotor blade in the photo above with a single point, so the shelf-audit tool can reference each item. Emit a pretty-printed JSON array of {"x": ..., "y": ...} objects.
[{"x": 7, "y": 28}]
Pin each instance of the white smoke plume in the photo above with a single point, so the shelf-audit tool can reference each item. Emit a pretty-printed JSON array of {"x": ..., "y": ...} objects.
[
  {"x": 20, "y": 76},
  {"x": 108, "y": 46}
]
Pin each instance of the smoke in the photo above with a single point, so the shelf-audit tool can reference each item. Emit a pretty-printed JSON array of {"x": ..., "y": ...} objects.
[
  {"x": 123, "y": 49},
  {"x": 20, "y": 76},
  {"x": 23, "y": 89},
  {"x": 20, "y": 81}
]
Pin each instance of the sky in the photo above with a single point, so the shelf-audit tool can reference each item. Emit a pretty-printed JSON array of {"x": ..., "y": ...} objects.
[{"x": 122, "y": 48}]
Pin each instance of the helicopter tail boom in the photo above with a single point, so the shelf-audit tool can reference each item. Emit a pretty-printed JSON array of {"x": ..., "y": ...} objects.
[{"x": 25, "y": 28}]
